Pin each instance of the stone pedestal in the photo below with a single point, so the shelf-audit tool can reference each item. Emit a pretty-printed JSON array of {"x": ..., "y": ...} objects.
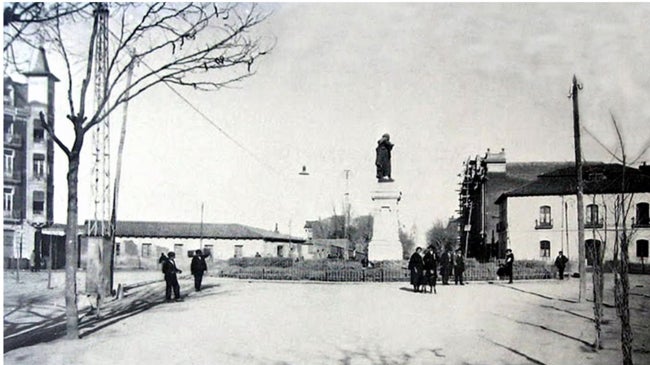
[{"x": 385, "y": 244}]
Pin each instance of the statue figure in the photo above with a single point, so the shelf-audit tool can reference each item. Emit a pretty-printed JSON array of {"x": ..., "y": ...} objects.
[{"x": 383, "y": 158}]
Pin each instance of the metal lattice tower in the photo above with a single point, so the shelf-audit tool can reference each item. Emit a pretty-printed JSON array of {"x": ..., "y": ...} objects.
[{"x": 101, "y": 183}]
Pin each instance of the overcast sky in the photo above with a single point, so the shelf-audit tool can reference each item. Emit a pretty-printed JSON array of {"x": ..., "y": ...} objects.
[{"x": 447, "y": 81}]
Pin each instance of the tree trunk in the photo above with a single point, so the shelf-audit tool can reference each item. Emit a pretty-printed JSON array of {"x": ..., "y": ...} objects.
[
  {"x": 626, "y": 329},
  {"x": 72, "y": 320},
  {"x": 597, "y": 278}
]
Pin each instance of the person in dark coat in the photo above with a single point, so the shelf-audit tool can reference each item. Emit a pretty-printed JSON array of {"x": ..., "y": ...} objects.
[
  {"x": 416, "y": 266},
  {"x": 510, "y": 260},
  {"x": 170, "y": 270},
  {"x": 445, "y": 266},
  {"x": 382, "y": 161},
  {"x": 560, "y": 263},
  {"x": 430, "y": 262},
  {"x": 198, "y": 267},
  {"x": 459, "y": 267}
]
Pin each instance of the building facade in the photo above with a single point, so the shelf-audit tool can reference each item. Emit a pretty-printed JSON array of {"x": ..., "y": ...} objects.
[
  {"x": 28, "y": 188},
  {"x": 483, "y": 180},
  {"x": 540, "y": 218}
]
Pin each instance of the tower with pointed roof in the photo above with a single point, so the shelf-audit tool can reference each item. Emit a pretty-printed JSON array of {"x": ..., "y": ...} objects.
[{"x": 28, "y": 161}]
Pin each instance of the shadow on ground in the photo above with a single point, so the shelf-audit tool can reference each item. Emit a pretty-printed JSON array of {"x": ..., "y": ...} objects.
[{"x": 45, "y": 328}]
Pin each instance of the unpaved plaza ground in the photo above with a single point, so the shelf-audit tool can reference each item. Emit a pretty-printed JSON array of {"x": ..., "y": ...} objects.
[{"x": 255, "y": 322}]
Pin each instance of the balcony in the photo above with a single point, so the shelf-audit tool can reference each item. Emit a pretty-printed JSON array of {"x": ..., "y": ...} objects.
[
  {"x": 12, "y": 176},
  {"x": 13, "y": 140},
  {"x": 594, "y": 224},
  {"x": 543, "y": 224},
  {"x": 11, "y": 216}
]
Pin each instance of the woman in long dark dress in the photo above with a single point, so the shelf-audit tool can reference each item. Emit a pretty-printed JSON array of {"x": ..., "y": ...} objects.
[
  {"x": 430, "y": 267},
  {"x": 416, "y": 266}
]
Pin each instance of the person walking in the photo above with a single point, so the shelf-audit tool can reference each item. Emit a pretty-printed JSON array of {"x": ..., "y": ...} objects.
[
  {"x": 430, "y": 262},
  {"x": 459, "y": 267},
  {"x": 170, "y": 270},
  {"x": 416, "y": 266},
  {"x": 560, "y": 263},
  {"x": 198, "y": 267},
  {"x": 445, "y": 266},
  {"x": 510, "y": 260}
]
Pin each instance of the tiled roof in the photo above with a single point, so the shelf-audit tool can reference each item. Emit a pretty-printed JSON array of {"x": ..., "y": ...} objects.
[
  {"x": 196, "y": 230},
  {"x": 599, "y": 179},
  {"x": 191, "y": 230},
  {"x": 39, "y": 66}
]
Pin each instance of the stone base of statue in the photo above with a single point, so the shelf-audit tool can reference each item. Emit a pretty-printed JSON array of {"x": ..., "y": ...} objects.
[{"x": 385, "y": 244}]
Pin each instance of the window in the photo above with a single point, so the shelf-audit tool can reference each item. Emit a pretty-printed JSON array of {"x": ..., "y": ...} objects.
[
  {"x": 39, "y": 166},
  {"x": 593, "y": 250},
  {"x": 545, "y": 221},
  {"x": 9, "y": 127},
  {"x": 545, "y": 249},
  {"x": 9, "y": 162},
  {"x": 39, "y": 131},
  {"x": 239, "y": 250},
  {"x": 642, "y": 214},
  {"x": 591, "y": 218},
  {"x": 146, "y": 249},
  {"x": 8, "y": 205},
  {"x": 178, "y": 249},
  {"x": 642, "y": 248},
  {"x": 280, "y": 251},
  {"x": 207, "y": 250},
  {"x": 117, "y": 248},
  {"x": 39, "y": 202},
  {"x": 545, "y": 215}
]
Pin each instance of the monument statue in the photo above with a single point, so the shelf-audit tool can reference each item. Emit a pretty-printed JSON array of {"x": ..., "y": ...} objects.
[{"x": 383, "y": 158}]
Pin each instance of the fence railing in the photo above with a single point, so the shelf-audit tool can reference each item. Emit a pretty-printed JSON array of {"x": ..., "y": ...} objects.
[{"x": 480, "y": 272}]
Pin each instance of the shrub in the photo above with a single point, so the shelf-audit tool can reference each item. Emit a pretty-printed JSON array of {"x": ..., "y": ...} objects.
[{"x": 261, "y": 261}]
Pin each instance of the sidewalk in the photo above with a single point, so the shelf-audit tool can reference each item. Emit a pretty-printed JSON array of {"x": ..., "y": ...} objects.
[{"x": 248, "y": 322}]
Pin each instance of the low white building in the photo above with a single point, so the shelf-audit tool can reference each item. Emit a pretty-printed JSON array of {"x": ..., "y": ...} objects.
[
  {"x": 224, "y": 241},
  {"x": 539, "y": 219}
]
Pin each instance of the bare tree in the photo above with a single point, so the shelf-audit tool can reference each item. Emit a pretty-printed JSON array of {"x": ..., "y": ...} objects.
[
  {"x": 23, "y": 21},
  {"x": 442, "y": 237},
  {"x": 199, "y": 45},
  {"x": 620, "y": 265}
]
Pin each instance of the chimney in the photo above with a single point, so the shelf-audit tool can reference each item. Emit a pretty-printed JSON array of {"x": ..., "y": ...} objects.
[
  {"x": 645, "y": 169},
  {"x": 495, "y": 162}
]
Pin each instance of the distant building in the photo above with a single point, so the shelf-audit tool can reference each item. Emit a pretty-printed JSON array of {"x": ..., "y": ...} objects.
[
  {"x": 323, "y": 248},
  {"x": 147, "y": 240},
  {"x": 483, "y": 180},
  {"x": 28, "y": 162},
  {"x": 540, "y": 218}
]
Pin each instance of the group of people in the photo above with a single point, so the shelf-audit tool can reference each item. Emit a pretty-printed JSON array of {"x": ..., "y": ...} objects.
[
  {"x": 198, "y": 267},
  {"x": 424, "y": 268}
]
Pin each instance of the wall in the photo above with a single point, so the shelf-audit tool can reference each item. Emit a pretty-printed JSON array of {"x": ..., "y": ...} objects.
[{"x": 524, "y": 239}]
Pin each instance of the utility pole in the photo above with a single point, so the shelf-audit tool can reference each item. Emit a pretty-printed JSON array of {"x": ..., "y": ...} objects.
[
  {"x": 579, "y": 194},
  {"x": 201, "y": 233},
  {"x": 347, "y": 203}
]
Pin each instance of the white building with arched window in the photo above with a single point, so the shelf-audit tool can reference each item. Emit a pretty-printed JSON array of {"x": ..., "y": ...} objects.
[{"x": 540, "y": 218}]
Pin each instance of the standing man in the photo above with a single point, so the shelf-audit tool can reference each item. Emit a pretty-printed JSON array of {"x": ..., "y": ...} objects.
[
  {"x": 510, "y": 260},
  {"x": 445, "y": 266},
  {"x": 198, "y": 267},
  {"x": 459, "y": 267},
  {"x": 169, "y": 269},
  {"x": 560, "y": 263},
  {"x": 382, "y": 160}
]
